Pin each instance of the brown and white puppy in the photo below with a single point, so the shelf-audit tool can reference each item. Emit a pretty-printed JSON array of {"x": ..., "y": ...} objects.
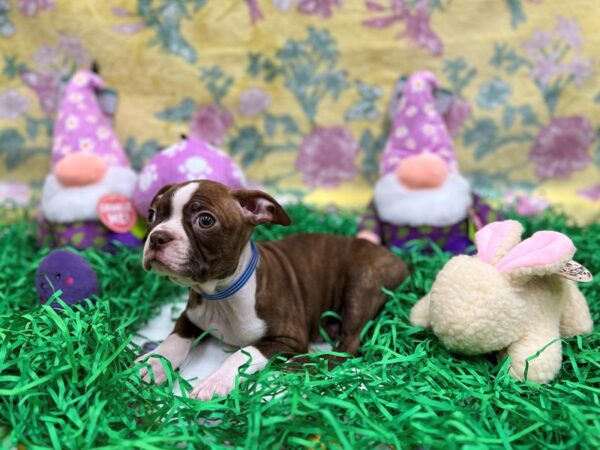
[{"x": 199, "y": 236}]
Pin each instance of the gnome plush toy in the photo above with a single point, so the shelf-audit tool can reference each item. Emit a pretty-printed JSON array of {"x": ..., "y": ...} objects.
[
  {"x": 86, "y": 199},
  {"x": 421, "y": 194},
  {"x": 189, "y": 159}
]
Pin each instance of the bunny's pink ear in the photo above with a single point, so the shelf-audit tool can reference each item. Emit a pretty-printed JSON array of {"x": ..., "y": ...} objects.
[
  {"x": 496, "y": 239},
  {"x": 544, "y": 253}
]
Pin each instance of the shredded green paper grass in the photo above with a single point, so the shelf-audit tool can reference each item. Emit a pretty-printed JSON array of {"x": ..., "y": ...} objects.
[{"x": 67, "y": 379}]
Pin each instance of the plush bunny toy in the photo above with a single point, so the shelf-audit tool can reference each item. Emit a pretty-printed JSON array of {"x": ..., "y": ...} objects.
[{"x": 511, "y": 297}]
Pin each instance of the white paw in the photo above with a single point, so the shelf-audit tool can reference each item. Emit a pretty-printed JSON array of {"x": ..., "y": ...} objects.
[
  {"x": 158, "y": 370},
  {"x": 206, "y": 389}
]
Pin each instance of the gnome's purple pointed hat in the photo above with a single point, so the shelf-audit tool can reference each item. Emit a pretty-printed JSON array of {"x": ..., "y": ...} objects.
[
  {"x": 81, "y": 126},
  {"x": 417, "y": 126}
]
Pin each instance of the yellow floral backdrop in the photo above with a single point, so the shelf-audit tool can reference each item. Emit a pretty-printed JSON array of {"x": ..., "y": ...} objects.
[{"x": 298, "y": 90}]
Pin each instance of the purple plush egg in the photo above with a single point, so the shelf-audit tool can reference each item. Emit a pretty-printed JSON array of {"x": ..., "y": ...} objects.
[
  {"x": 66, "y": 271},
  {"x": 190, "y": 159}
]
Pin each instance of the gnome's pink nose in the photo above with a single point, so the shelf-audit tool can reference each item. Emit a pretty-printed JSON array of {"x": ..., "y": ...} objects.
[
  {"x": 80, "y": 169},
  {"x": 425, "y": 171}
]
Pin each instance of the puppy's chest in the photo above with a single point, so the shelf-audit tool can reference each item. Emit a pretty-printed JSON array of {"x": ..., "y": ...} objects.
[{"x": 234, "y": 320}]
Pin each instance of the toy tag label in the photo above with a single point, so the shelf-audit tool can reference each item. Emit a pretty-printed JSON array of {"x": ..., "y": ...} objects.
[
  {"x": 117, "y": 212},
  {"x": 576, "y": 272}
]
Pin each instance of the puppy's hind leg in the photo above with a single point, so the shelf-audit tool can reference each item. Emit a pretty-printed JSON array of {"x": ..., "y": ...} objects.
[{"x": 363, "y": 297}]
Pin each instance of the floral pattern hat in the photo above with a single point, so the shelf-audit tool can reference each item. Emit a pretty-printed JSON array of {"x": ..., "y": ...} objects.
[
  {"x": 418, "y": 126},
  {"x": 81, "y": 126}
]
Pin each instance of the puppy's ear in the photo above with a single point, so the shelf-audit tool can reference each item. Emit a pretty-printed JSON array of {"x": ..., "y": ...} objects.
[{"x": 259, "y": 207}]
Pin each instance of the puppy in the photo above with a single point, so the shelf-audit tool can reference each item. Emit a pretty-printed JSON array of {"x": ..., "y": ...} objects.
[{"x": 265, "y": 298}]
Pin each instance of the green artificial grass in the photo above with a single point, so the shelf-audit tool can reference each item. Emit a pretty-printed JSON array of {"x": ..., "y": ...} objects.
[{"x": 67, "y": 379}]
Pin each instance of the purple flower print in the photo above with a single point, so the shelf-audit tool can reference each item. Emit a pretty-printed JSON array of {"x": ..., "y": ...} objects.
[
  {"x": 561, "y": 147},
  {"x": 558, "y": 53},
  {"x": 416, "y": 22},
  {"x": 526, "y": 205},
  {"x": 321, "y": 8},
  {"x": 569, "y": 31},
  {"x": 30, "y": 8},
  {"x": 326, "y": 157},
  {"x": 47, "y": 58},
  {"x": 14, "y": 194},
  {"x": 592, "y": 193},
  {"x": 374, "y": 6},
  {"x": 12, "y": 104},
  {"x": 546, "y": 66},
  {"x": 581, "y": 69},
  {"x": 126, "y": 28},
  {"x": 52, "y": 63},
  {"x": 253, "y": 101},
  {"x": 458, "y": 112},
  {"x": 129, "y": 28},
  {"x": 72, "y": 49},
  {"x": 283, "y": 5},
  {"x": 418, "y": 30},
  {"x": 539, "y": 41},
  {"x": 210, "y": 123},
  {"x": 45, "y": 86},
  {"x": 254, "y": 10},
  {"x": 531, "y": 206},
  {"x": 65, "y": 56},
  {"x": 121, "y": 12}
]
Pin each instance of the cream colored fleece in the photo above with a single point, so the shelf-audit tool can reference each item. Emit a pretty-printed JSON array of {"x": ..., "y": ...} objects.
[{"x": 473, "y": 308}]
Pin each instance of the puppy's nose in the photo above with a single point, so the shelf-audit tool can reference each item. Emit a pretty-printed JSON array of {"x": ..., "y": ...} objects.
[{"x": 159, "y": 239}]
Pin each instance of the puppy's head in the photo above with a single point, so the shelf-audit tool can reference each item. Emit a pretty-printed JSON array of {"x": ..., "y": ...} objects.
[{"x": 197, "y": 230}]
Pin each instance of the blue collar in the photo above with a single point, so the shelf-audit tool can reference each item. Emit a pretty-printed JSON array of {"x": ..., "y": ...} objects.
[{"x": 240, "y": 282}]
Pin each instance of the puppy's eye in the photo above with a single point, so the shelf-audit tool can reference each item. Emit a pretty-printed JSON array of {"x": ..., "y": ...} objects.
[
  {"x": 151, "y": 215},
  {"x": 206, "y": 220}
]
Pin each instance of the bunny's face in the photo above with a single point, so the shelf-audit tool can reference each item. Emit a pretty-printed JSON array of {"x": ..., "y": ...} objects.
[{"x": 474, "y": 308}]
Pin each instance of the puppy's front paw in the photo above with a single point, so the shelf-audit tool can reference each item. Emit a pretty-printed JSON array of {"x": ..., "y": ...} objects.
[
  {"x": 207, "y": 388},
  {"x": 158, "y": 370}
]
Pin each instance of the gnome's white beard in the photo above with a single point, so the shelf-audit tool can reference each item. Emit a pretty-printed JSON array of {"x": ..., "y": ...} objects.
[
  {"x": 62, "y": 204},
  {"x": 439, "y": 207}
]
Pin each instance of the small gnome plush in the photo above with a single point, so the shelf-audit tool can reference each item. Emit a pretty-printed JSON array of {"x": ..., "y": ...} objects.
[
  {"x": 421, "y": 194},
  {"x": 190, "y": 159},
  {"x": 86, "y": 199}
]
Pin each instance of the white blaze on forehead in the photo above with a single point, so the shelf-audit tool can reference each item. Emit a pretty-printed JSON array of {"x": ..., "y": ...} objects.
[
  {"x": 175, "y": 254},
  {"x": 181, "y": 198},
  {"x": 174, "y": 224}
]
